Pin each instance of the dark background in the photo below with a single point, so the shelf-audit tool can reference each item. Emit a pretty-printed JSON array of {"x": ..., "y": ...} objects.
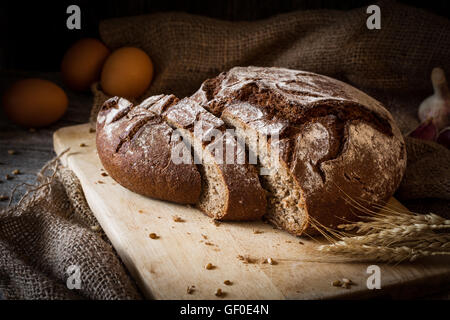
[{"x": 35, "y": 36}]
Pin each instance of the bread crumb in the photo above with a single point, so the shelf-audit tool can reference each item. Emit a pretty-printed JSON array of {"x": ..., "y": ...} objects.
[
  {"x": 209, "y": 243},
  {"x": 16, "y": 171},
  {"x": 83, "y": 144},
  {"x": 228, "y": 282},
  {"x": 8, "y": 177},
  {"x": 204, "y": 236},
  {"x": 345, "y": 280},
  {"x": 270, "y": 261},
  {"x": 219, "y": 293},
  {"x": 210, "y": 266},
  {"x": 347, "y": 283},
  {"x": 95, "y": 228},
  {"x": 177, "y": 219},
  {"x": 336, "y": 283},
  {"x": 301, "y": 243},
  {"x": 190, "y": 289},
  {"x": 257, "y": 231},
  {"x": 91, "y": 130},
  {"x": 216, "y": 223},
  {"x": 153, "y": 236},
  {"x": 4, "y": 198},
  {"x": 104, "y": 174},
  {"x": 344, "y": 283},
  {"x": 246, "y": 259},
  {"x": 12, "y": 152},
  {"x": 140, "y": 211}
]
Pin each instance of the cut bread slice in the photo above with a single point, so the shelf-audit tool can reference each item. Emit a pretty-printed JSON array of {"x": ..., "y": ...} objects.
[
  {"x": 285, "y": 203},
  {"x": 231, "y": 189}
]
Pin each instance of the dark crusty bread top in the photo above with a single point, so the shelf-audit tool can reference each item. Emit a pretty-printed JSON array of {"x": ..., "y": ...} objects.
[
  {"x": 135, "y": 145},
  {"x": 337, "y": 142},
  {"x": 294, "y": 96}
]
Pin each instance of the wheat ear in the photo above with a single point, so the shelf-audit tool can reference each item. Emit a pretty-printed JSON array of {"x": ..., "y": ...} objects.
[
  {"x": 345, "y": 252},
  {"x": 387, "y": 235}
]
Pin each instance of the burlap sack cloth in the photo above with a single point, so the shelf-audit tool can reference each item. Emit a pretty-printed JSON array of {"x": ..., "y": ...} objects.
[{"x": 54, "y": 228}]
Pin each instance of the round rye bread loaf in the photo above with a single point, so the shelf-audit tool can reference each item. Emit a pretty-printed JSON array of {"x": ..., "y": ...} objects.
[{"x": 324, "y": 149}]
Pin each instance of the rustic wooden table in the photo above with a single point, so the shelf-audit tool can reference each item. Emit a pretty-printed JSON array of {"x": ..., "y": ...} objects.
[{"x": 33, "y": 149}]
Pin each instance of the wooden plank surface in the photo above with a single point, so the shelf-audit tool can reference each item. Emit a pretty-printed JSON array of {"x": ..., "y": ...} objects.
[{"x": 165, "y": 267}]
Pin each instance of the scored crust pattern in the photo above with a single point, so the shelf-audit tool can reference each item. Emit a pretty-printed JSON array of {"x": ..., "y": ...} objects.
[{"x": 135, "y": 147}]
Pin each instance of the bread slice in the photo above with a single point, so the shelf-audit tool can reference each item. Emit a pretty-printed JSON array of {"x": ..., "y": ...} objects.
[
  {"x": 135, "y": 147},
  {"x": 321, "y": 143},
  {"x": 286, "y": 205},
  {"x": 231, "y": 189}
]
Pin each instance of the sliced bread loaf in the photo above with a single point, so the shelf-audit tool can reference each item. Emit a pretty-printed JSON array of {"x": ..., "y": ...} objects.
[{"x": 141, "y": 148}]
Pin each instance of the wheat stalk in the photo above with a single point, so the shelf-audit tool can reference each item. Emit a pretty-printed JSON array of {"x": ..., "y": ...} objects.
[
  {"x": 345, "y": 252},
  {"x": 430, "y": 221},
  {"x": 437, "y": 244},
  {"x": 389, "y": 235},
  {"x": 398, "y": 236}
]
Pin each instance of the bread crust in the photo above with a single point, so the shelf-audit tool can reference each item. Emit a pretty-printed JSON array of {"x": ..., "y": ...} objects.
[
  {"x": 135, "y": 145},
  {"x": 338, "y": 143}
]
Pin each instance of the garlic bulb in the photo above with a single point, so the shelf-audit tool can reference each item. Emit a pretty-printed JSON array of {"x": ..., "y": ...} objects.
[{"x": 437, "y": 106}]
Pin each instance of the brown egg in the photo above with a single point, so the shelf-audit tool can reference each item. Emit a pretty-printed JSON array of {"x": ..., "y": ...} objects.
[
  {"x": 34, "y": 103},
  {"x": 83, "y": 62},
  {"x": 127, "y": 72}
]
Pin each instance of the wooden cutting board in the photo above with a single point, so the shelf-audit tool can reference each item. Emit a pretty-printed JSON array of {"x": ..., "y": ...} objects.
[{"x": 165, "y": 267}]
